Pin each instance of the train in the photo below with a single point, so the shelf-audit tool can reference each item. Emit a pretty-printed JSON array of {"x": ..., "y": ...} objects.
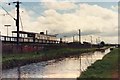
[{"x": 30, "y": 37}]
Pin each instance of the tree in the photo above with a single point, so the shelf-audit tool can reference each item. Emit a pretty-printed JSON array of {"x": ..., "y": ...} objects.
[{"x": 102, "y": 43}]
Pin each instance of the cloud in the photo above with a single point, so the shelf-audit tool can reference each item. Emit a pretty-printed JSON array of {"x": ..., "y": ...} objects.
[
  {"x": 6, "y": 20},
  {"x": 91, "y": 32},
  {"x": 87, "y": 17},
  {"x": 83, "y": 33},
  {"x": 113, "y": 33},
  {"x": 115, "y": 8},
  {"x": 57, "y": 5},
  {"x": 91, "y": 19}
]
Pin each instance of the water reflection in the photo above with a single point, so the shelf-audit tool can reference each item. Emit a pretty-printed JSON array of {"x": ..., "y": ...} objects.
[{"x": 62, "y": 68}]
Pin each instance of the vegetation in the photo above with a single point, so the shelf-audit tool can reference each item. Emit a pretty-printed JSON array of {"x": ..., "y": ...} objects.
[
  {"x": 13, "y": 60},
  {"x": 106, "y": 68},
  {"x": 102, "y": 43}
]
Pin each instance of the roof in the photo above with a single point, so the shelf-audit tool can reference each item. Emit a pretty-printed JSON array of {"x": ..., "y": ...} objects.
[
  {"x": 52, "y": 35},
  {"x": 24, "y": 32}
]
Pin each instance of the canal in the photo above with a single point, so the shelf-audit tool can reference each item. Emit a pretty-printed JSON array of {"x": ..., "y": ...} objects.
[{"x": 61, "y": 68}]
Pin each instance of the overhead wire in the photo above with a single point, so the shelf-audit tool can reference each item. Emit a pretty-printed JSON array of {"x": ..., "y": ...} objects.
[
  {"x": 32, "y": 9},
  {"x": 21, "y": 22},
  {"x": 19, "y": 15},
  {"x": 7, "y": 12},
  {"x": 12, "y": 16},
  {"x": 21, "y": 18}
]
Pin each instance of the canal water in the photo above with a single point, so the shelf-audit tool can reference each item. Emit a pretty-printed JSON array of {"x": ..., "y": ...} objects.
[{"x": 62, "y": 68}]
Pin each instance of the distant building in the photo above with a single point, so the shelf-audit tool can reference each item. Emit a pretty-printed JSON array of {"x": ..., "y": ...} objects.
[
  {"x": 45, "y": 37},
  {"x": 35, "y": 36}
]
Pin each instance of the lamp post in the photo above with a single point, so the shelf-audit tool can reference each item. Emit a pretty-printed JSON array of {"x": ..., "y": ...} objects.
[
  {"x": 91, "y": 41},
  {"x": 7, "y": 28}
]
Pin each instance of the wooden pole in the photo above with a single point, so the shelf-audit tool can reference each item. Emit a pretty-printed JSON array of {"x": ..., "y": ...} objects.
[{"x": 79, "y": 36}]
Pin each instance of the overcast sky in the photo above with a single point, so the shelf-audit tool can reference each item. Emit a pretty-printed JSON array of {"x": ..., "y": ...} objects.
[{"x": 97, "y": 19}]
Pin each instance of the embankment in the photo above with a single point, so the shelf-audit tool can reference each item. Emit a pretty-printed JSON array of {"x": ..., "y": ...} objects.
[
  {"x": 14, "y": 60},
  {"x": 106, "y": 69}
]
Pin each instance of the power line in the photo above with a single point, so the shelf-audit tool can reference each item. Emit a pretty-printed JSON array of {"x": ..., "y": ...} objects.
[
  {"x": 7, "y": 12},
  {"x": 21, "y": 22},
  {"x": 32, "y": 9}
]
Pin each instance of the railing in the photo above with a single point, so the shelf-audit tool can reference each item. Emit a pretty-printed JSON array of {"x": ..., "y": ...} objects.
[{"x": 26, "y": 40}]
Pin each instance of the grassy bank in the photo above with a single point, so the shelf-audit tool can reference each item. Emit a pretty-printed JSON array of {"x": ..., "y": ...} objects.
[
  {"x": 105, "y": 68},
  {"x": 13, "y": 60}
]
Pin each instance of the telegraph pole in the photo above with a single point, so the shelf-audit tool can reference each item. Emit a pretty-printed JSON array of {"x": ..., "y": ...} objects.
[
  {"x": 46, "y": 32},
  {"x": 17, "y": 24},
  {"x": 17, "y": 20},
  {"x": 96, "y": 41},
  {"x": 79, "y": 36},
  {"x": 80, "y": 55},
  {"x": 73, "y": 38},
  {"x": 99, "y": 40},
  {"x": 91, "y": 39}
]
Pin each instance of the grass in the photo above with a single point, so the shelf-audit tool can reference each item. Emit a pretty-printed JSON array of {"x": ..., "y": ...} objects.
[
  {"x": 50, "y": 53},
  {"x": 9, "y": 61},
  {"x": 105, "y": 68}
]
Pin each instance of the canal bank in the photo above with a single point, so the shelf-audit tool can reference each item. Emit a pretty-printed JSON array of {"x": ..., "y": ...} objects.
[
  {"x": 14, "y": 60},
  {"x": 67, "y": 67},
  {"x": 105, "y": 68}
]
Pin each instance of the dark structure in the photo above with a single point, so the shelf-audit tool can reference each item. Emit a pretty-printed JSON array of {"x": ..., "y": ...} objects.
[{"x": 31, "y": 37}]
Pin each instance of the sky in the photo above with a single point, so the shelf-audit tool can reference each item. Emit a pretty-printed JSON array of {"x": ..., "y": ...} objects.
[{"x": 98, "y": 19}]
